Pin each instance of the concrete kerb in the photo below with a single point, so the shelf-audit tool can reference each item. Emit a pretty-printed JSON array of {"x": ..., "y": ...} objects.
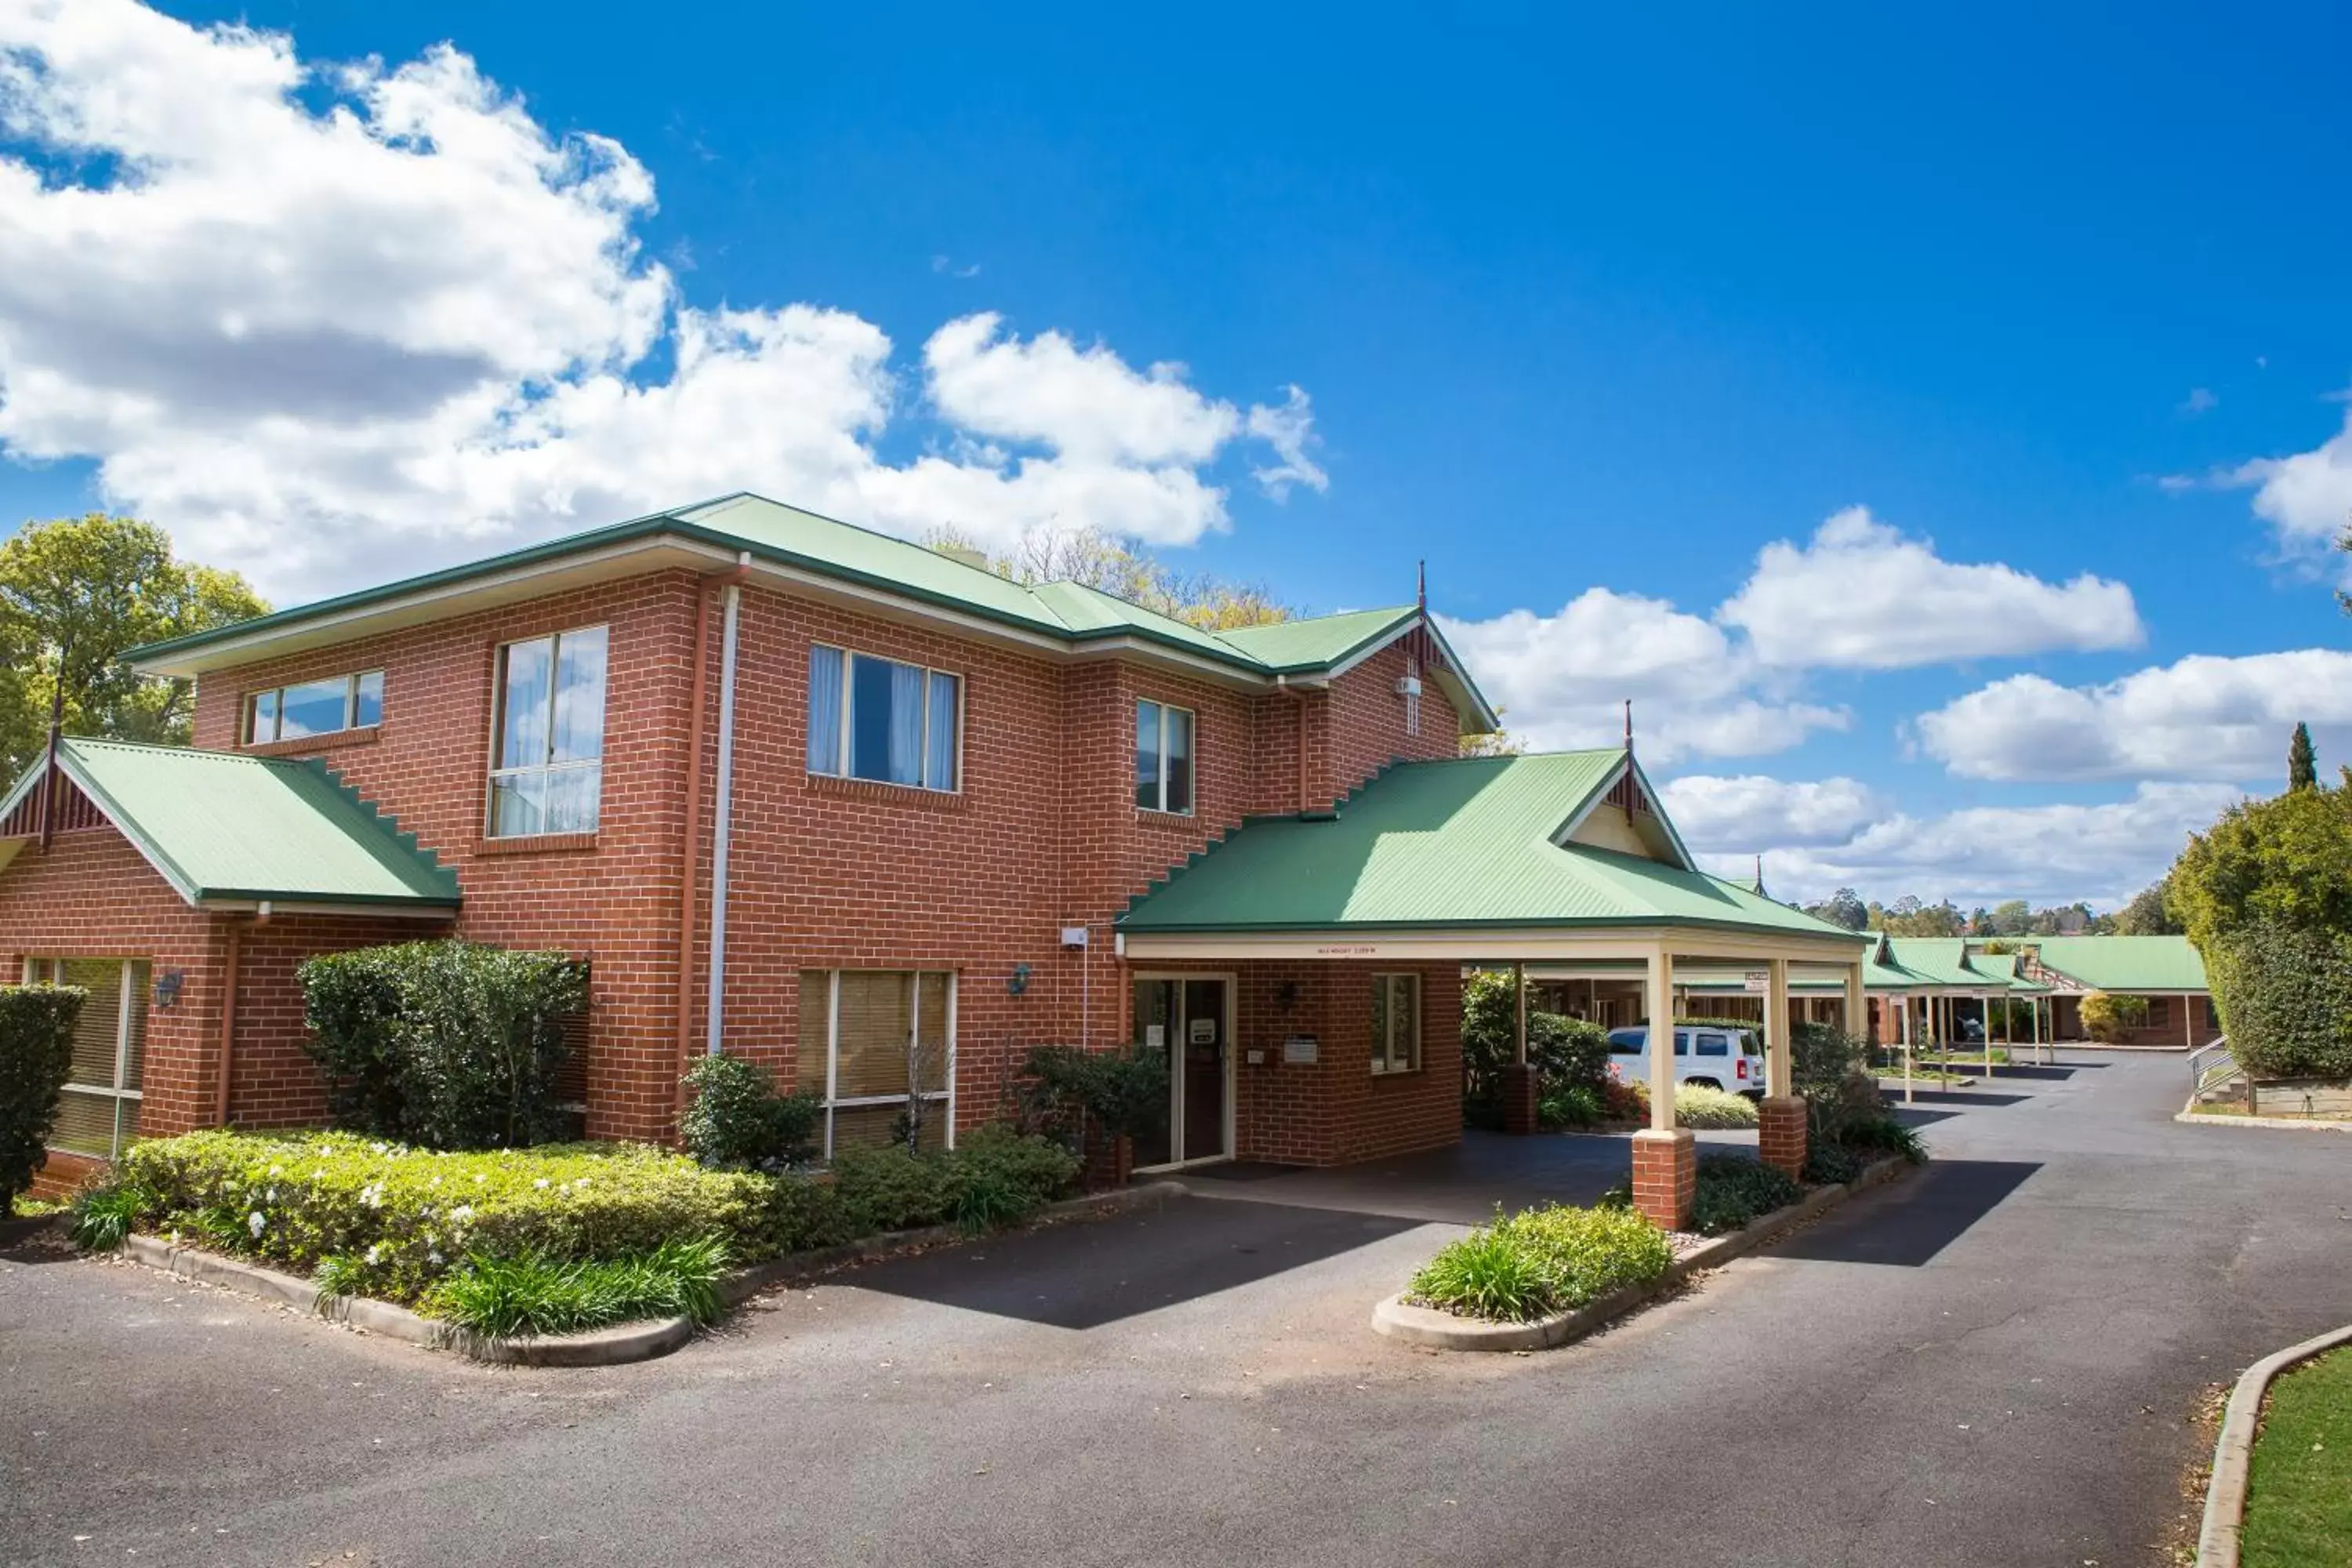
[
  {"x": 2190, "y": 1116},
  {"x": 616, "y": 1346},
  {"x": 2233, "y": 1450},
  {"x": 1427, "y": 1326}
]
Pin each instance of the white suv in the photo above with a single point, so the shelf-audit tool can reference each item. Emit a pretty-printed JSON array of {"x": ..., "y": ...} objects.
[{"x": 1730, "y": 1059}]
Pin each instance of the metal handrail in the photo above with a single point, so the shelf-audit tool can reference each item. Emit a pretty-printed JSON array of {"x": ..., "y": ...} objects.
[{"x": 2213, "y": 1065}]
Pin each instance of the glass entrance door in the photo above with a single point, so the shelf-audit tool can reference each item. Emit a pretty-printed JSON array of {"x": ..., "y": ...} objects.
[{"x": 1182, "y": 1023}]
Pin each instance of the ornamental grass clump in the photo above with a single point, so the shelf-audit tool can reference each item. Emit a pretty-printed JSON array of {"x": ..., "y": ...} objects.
[
  {"x": 1696, "y": 1105},
  {"x": 1540, "y": 1261},
  {"x": 535, "y": 1294}
]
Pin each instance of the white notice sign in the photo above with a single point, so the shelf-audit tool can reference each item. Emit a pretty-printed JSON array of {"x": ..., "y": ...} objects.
[{"x": 1758, "y": 981}]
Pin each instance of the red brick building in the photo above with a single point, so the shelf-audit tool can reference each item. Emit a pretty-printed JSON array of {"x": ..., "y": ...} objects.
[{"x": 792, "y": 788}]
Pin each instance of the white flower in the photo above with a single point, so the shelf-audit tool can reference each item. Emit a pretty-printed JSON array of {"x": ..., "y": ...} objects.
[
  {"x": 375, "y": 1252},
  {"x": 272, "y": 1195},
  {"x": 462, "y": 1213},
  {"x": 255, "y": 1223},
  {"x": 541, "y": 1183},
  {"x": 479, "y": 1179},
  {"x": 581, "y": 1183},
  {"x": 277, "y": 1170},
  {"x": 381, "y": 1148},
  {"x": 435, "y": 1181},
  {"x": 433, "y": 1258},
  {"x": 373, "y": 1195}
]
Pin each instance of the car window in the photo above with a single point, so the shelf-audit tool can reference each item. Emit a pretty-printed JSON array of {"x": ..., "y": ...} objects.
[
  {"x": 1682, "y": 1042},
  {"x": 1625, "y": 1042},
  {"x": 1715, "y": 1044}
]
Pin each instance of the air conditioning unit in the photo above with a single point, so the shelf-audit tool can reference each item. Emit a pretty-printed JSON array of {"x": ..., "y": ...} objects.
[{"x": 1408, "y": 686}]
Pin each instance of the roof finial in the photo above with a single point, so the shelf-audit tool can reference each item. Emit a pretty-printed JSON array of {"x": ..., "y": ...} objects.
[
  {"x": 1759, "y": 876},
  {"x": 1421, "y": 586},
  {"x": 1629, "y": 724}
]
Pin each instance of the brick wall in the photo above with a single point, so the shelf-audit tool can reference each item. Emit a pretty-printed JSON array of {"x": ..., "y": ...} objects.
[{"x": 1044, "y": 833}]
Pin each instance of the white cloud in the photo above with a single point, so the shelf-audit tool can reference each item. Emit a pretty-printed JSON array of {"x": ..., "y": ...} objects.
[
  {"x": 332, "y": 323},
  {"x": 2200, "y": 400},
  {"x": 2204, "y": 717},
  {"x": 1561, "y": 678},
  {"x": 2307, "y": 497},
  {"x": 1751, "y": 813},
  {"x": 2055, "y": 854},
  {"x": 1860, "y": 596}
]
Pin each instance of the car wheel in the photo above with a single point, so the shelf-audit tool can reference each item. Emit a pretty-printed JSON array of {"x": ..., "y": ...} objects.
[{"x": 1705, "y": 1083}]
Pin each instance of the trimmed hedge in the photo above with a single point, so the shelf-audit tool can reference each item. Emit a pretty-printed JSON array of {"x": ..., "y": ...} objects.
[
  {"x": 451, "y": 1044},
  {"x": 396, "y": 1220},
  {"x": 37, "y": 1025},
  {"x": 736, "y": 1120},
  {"x": 2288, "y": 990}
]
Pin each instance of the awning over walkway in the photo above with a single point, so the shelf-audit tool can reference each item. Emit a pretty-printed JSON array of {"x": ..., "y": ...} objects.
[{"x": 233, "y": 832}]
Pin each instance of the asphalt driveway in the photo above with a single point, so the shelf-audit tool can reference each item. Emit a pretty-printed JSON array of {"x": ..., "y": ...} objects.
[{"x": 1993, "y": 1362}]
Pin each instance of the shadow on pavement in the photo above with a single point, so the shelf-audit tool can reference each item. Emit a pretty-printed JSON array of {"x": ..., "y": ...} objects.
[
  {"x": 2033, "y": 1074},
  {"x": 1965, "y": 1098},
  {"x": 1914, "y": 1115},
  {"x": 1083, "y": 1275},
  {"x": 1938, "y": 1209}
]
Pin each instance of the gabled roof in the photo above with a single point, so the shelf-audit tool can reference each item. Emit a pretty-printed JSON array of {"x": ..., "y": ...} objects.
[
  {"x": 2125, "y": 964},
  {"x": 1462, "y": 843},
  {"x": 856, "y": 561},
  {"x": 227, "y": 829}
]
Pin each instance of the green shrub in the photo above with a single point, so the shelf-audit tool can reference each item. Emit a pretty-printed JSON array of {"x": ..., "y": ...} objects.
[
  {"x": 1696, "y": 1105},
  {"x": 407, "y": 1217},
  {"x": 1883, "y": 1135},
  {"x": 104, "y": 1217},
  {"x": 1733, "y": 1189},
  {"x": 1578, "y": 1105},
  {"x": 994, "y": 1176},
  {"x": 450, "y": 1045},
  {"x": 1060, "y": 1086},
  {"x": 1541, "y": 1261},
  {"x": 1565, "y": 1052},
  {"x": 37, "y": 1025},
  {"x": 534, "y": 1294},
  {"x": 2106, "y": 1016},
  {"x": 2289, "y": 991},
  {"x": 1830, "y": 1164},
  {"x": 736, "y": 1120}
]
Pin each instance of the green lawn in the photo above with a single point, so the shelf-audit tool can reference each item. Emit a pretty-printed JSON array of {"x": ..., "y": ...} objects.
[{"x": 2299, "y": 1501}]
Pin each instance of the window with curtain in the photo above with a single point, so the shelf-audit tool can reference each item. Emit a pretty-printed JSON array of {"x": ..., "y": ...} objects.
[
  {"x": 880, "y": 1037},
  {"x": 99, "y": 1112},
  {"x": 878, "y": 719},
  {"x": 547, "y": 767},
  {"x": 315, "y": 708},
  {"x": 1396, "y": 1023},
  {"x": 1164, "y": 758}
]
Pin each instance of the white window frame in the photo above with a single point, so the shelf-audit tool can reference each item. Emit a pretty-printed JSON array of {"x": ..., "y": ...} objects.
[
  {"x": 1384, "y": 1051},
  {"x": 277, "y": 716},
  {"x": 849, "y": 657},
  {"x": 554, "y": 641},
  {"x": 117, "y": 1091},
  {"x": 1193, "y": 738},
  {"x": 832, "y": 1100}
]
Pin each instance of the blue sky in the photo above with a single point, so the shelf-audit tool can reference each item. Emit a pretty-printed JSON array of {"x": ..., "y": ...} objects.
[{"x": 1593, "y": 302}]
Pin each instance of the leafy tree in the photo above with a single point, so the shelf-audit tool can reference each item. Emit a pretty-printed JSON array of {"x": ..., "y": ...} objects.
[
  {"x": 2146, "y": 914},
  {"x": 1843, "y": 907},
  {"x": 1124, "y": 569},
  {"x": 2302, "y": 762},
  {"x": 2287, "y": 860},
  {"x": 2010, "y": 917},
  {"x": 1907, "y": 916},
  {"x": 75, "y": 594}
]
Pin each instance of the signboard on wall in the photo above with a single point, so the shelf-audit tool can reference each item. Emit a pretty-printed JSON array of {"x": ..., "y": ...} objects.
[
  {"x": 1759, "y": 981},
  {"x": 1299, "y": 1050}
]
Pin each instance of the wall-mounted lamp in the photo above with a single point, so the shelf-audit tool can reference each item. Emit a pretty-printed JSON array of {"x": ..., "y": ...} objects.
[
  {"x": 167, "y": 987},
  {"x": 1019, "y": 982},
  {"x": 1288, "y": 995}
]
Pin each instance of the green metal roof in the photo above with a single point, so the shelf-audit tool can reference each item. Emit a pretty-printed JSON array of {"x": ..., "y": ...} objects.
[
  {"x": 1468, "y": 842},
  {"x": 2125, "y": 964},
  {"x": 787, "y": 536},
  {"x": 220, "y": 826}
]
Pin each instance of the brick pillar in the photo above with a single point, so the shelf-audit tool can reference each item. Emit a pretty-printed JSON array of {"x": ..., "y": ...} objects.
[
  {"x": 1110, "y": 1162},
  {"x": 1781, "y": 1133},
  {"x": 1519, "y": 1098},
  {"x": 1666, "y": 1176}
]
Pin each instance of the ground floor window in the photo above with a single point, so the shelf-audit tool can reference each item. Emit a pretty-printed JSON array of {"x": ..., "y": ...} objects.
[
  {"x": 885, "y": 1041},
  {"x": 99, "y": 1112},
  {"x": 1396, "y": 1023}
]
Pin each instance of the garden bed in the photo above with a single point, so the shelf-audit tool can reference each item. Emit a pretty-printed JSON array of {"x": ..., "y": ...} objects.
[{"x": 545, "y": 1241}]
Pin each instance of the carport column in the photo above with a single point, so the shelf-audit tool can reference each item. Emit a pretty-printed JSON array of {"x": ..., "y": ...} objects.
[
  {"x": 1519, "y": 1077},
  {"x": 1665, "y": 1158},
  {"x": 1780, "y": 1115}
]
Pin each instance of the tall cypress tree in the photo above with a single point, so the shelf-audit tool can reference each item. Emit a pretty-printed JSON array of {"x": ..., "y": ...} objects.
[{"x": 2302, "y": 764}]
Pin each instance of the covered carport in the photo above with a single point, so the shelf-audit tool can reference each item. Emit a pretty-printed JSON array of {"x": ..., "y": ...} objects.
[{"x": 1562, "y": 860}]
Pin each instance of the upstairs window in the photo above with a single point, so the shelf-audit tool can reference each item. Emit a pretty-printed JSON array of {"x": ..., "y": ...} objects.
[
  {"x": 1164, "y": 758},
  {"x": 876, "y": 719},
  {"x": 315, "y": 708},
  {"x": 547, "y": 766}
]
